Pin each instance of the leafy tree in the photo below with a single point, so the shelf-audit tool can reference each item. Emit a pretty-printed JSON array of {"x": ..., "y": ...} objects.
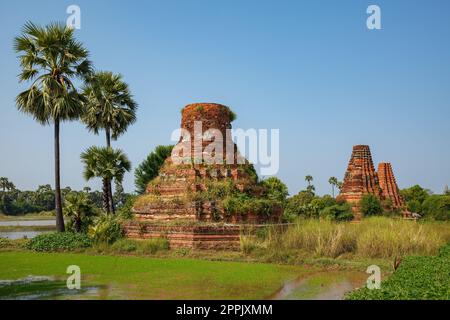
[
  {"x": 87, "y": 190},
  {"x": 276, "y": 189},
  {"x": 79, "y": 210},
  {"x": 149, "y": 168},
  {"x": 415, "y": 193},
  {"x": 300, "y": 204},
  {"x": 6, "y": 185},
  {"x": 334, "y": 182},
  {"x": 108, "y": 164},
  {"x": 51, "y": 58},
  {"x": 437, "y": 207},
  {"x": 414, "y": 206},
  {"x": 308, "y": 179},
  {"x": 44, "y": 197},
  {"x": 370, "y": 205}
]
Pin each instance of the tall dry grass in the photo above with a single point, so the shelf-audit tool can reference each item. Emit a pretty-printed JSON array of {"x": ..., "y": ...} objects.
[{"x": 376, "y": 237}]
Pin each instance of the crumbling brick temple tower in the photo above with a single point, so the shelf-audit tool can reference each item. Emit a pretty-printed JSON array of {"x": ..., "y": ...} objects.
[
  {"x": 389, "y": 185},
  {"x": 203, "y": 194},
  {"x": 361, "y": 179}
]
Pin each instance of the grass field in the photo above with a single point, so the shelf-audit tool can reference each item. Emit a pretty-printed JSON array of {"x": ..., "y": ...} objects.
[{"x": 151, "y": 278}]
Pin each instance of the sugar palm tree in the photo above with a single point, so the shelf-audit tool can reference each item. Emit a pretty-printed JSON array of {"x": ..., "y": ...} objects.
[
  {"x": 108, "y": 164},
  {"x": 79, "y": 209},
  {"x": 51, "y": 58},
  {"x": 334, "y": 182},
  {"x": 5, "y": 184},
  {"x": 308, "y": 179},
  {"x": 110, "y": 106}
]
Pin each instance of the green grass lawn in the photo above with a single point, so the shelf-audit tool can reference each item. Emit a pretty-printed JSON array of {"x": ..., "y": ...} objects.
[{"x": 150, "y": 278}]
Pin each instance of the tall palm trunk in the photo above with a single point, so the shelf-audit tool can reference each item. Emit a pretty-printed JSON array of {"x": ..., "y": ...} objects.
[
  {"x": 332, "y": 189},
  {"x": 110, "y": 197},
  {"x": 105, "y": 196},
  {"x": 111, "y": 202},
  {"x": 108, "y": 137},
  {"x": 58, "y": 207}
]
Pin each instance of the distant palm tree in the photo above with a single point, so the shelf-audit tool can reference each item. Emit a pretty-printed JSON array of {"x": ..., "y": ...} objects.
[
  {"x": 107, "y": 164},
  {"x": 308, "y": 179},
  {"x": 5, "y": 184},
  {"x": 334, "y": 182},
  {"x": 110, "y": 106},
  {"x": 52, "y": 58}
]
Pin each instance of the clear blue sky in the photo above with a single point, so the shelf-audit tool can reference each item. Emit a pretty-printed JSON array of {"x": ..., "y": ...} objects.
[{"x": 310, "y": 68}]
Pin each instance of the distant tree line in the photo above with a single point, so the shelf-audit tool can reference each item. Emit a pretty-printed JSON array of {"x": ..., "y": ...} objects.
[{"x": 16, "y": 202}]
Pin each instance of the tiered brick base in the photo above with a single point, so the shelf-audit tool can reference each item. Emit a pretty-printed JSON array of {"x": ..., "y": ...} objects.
[{"x": 214, "y": 237}]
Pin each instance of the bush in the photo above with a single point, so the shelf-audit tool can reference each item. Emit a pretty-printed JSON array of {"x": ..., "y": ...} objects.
[
  {"x": 124, "y": 211},
  {"x": 437, "y": 207},
  {"x": 124, "y": 246},
  {"x": 152, "y": 246},
  {"x": 414, "y": 206},
  {"x": 107, "y": 229},
  {"x": 370, "y": 205},
  {"x": 64, "y": 241},
  {"x": 4, "y": 243},
  {"x": 338, "y": 212},
  {"x": 417, "y": 278}
]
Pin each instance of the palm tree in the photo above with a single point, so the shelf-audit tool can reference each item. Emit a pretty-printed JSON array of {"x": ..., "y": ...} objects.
[
  {"x": 108, "y": 164},
  {"x": 110, "y": 106},
  {"x": 79, "y": 209},
  {"x": 334, "y": 182},
  {"x": 308, "y": 179},
  {"x": 5, "y": 184},
  {"x": 51, "y": 58}
]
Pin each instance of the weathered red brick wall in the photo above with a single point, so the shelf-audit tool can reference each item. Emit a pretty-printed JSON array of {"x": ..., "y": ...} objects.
[{"x": 214, "y": 237}]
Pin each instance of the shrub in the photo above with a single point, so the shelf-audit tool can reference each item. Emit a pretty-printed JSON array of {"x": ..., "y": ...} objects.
[
  {"x": 338, "y": 212},
  {"x": 152, "y": 246},
  {"x": 414, "y": 206},
  {"x": 4, "y": 243},
  {"x": 59, "y": 242},
  {"x": 370, "y": 205},
  {"x": 124, "y": 246},
  {"x": 107, "y": 229},
  {"x": 416, "y": 278},
  {"x": 437, "y": 207},
  {"x": 124, "y": 212}
]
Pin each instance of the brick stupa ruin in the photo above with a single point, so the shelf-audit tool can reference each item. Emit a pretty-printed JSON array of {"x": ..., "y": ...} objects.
[
  {"x": 389, "y": 186},
  {"x": 179, "y": 204},
  {"x": 361, "y": 179}
]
